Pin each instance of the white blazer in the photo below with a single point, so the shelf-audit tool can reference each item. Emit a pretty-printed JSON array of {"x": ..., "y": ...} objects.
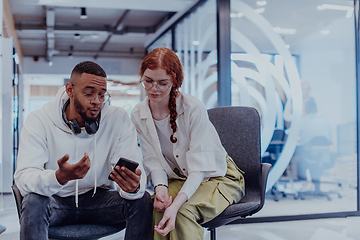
[{"x": 198, "y": 147}]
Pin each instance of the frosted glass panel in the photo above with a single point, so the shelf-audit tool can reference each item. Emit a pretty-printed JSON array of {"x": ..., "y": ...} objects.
[
  {"x": 195, "y": 43},
  {"x": 299, "y": 72},
  {"x": 163, "y": 41}
]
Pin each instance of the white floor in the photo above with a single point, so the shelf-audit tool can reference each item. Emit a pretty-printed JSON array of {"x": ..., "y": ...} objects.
[{"x": 329, "y": 229}]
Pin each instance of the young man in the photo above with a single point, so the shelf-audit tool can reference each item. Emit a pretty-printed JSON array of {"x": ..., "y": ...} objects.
[{"x": 67, "y": 151}]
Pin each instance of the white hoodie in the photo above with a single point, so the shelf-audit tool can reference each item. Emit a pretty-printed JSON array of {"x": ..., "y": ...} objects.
[{"x": 45, "y": 138}]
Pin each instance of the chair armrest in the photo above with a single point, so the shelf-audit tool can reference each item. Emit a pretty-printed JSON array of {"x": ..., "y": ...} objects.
[{"x": 265, "y": 169}]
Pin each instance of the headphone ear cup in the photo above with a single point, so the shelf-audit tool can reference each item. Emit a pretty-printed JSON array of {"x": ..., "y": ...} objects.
[
  {"x": 75, "y": 127},
  {"x": 92, "y": 127}
]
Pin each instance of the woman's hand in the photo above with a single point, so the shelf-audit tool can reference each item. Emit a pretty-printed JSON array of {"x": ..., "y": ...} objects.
[
  {"x": 169, "y": 216},
  {"x": 162, "y": 199}
]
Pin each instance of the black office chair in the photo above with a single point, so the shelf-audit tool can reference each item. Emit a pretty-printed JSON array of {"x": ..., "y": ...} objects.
[
  {"x": 272, "y": 154},
  {"x": 74, "y": 232},
  {"x": 239, "y": 131},
  {"x": 316, "y": 158}
]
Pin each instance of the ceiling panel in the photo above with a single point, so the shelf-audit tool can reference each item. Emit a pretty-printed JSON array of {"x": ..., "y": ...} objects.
[{"x": 111, "y": 26}]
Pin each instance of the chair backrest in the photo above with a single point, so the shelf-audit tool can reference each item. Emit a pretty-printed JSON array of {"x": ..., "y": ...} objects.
[
  {"x": 239, "y": 132},
  {"x": 278, "y": 135},
  {"x": 18, "y": 198}
]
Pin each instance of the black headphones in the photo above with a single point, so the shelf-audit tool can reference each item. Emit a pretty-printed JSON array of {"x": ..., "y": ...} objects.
[{"x": 91, "y": 128}]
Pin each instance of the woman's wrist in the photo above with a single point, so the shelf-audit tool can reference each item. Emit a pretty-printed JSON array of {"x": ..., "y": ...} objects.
[
  {"x": 160, "y": 188},
  {"x": 160, "y": 185},
  {"x": 180, "y": 199}
]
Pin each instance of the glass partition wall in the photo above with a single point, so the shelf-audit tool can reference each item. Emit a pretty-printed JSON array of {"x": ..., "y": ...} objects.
[
  {"x": 195, "y": 44},
  {"x": 294, "y": 61}
]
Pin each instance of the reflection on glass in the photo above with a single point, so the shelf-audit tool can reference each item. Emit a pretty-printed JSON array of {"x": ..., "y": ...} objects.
[{"x": 308, "y": 125}]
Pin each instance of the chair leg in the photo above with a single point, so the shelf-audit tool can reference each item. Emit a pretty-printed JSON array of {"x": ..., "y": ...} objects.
[{"x": 212, "y": 233}]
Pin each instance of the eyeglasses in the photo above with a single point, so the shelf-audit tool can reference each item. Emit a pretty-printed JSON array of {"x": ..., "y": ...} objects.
[
  {"x": 161, "y": 86},
  {"x": 89, "y": 97}
]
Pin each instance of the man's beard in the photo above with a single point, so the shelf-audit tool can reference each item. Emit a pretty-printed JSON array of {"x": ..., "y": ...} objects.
[{"x": 82, "y": 112}]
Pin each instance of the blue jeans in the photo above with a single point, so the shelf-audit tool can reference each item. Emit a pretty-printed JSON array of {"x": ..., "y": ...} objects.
[{"x": 105, "y": 207}]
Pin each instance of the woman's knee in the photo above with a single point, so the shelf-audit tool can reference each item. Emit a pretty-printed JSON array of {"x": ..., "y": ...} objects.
[{"x": 187, "y": 212}]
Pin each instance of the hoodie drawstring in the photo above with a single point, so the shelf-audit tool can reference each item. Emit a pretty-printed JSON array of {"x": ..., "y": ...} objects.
[
  {"x": 77, "y": 181},
  {"x": 77, "y": 193},
  {"x": 94, "y": 162}
]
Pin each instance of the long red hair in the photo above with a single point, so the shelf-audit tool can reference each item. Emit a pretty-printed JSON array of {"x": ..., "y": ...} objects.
[{"x": 168, "y": 60}]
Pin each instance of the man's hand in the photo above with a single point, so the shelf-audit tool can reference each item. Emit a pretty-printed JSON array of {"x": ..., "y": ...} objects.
[
  {"x": 67, "y": 172},
  {"x": 127, "y": 180}
]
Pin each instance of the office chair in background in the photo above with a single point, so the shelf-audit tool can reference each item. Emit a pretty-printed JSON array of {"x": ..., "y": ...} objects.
[
  {"x": 271, "y": 155},
  {"x": 316, "y": 158},
  {"x": 73, "y": 232},
  {"x": 239, "y": 132}
]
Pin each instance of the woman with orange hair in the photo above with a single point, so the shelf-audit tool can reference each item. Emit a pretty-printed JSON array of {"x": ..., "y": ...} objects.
[{"x": 194, "y": 178}]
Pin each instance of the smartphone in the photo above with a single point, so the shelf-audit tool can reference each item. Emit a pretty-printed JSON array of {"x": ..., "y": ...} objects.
[{"x": 129, "y": 164}]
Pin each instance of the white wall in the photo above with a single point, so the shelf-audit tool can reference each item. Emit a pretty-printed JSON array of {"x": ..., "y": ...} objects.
[{"x": 64, "y": 65}]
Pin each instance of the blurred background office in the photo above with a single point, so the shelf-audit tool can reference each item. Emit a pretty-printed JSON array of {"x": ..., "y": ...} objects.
[{"x": 294, "y": 61}]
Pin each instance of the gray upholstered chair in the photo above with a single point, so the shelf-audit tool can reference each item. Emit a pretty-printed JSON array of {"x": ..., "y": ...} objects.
[
  {"x": 239, "y": 131},
  {"x": 72, "y": 232}
]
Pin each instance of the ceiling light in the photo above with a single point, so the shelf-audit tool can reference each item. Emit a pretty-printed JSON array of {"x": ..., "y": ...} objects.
[
  {"x": 234, "y": 15},
  {"x": 325, "y": 32},
  {"x": 349, "y": 14},
  {"x": 333, "y": 7},
  {"x": 83, "y": 13},
  {"x": 260, "y": 10},
  {"x": 287, "y": 46},
  {"x": 196, "y": 43},
  {"x": 94, "y": 36},
  {"x": 349, "y": 9},
  {"x": 289, "y": 31},
  {"x": 261, "y": 3},
  {"x": 77, "y": 36}
]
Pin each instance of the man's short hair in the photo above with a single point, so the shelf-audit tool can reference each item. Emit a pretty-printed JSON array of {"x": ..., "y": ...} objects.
[{"x": 90, "y": 68}]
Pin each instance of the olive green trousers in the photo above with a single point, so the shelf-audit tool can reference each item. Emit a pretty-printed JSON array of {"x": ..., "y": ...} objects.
[{"x": 210, "y": 199}]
